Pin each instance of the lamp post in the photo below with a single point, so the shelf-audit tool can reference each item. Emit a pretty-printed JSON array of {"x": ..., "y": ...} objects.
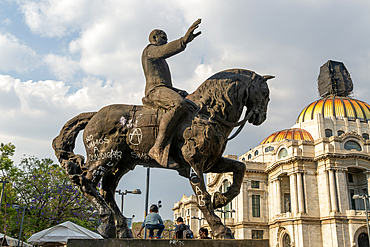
[
  {"x": 146, "y": 195},
  {"x": 2, "y": 192},
  {"x": 366, "y": 198},
  {"x": 16, "y": 207},
  {"x": 224, "y": 213},
  {"x": 123, "y": 193}
]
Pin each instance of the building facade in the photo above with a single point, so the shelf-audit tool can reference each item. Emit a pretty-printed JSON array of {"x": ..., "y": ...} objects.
[{"x": 299, "y": 184}]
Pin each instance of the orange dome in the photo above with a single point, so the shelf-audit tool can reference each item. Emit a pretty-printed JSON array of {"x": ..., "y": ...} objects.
[
  {"x": 292, "y": 134},
  {"x": 339, "y": 107}
]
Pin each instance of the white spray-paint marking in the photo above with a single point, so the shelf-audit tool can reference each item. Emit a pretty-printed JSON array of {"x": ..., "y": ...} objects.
[
  {"x": 113, "y": 154},
  {"x": 136, "y": 136},
  {"x": 93, "y": 143},
  {"x": 201, "y": 201},
  {"x": 176, "y": 242}
]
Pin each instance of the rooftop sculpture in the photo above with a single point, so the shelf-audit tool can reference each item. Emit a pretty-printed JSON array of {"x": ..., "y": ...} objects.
[{"x": 189, "y": 134}]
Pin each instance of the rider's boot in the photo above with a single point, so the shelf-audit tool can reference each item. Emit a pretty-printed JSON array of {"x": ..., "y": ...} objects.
[{"x": 161, "y": 149}]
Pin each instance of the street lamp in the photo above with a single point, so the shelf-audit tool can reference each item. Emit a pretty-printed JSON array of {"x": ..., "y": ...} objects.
[
  {"x": 147, "y": 195},
  {"x": 123, "y": 193},
  {"x": 16, "y": 207},
  {"x": 366, "y": 198},
  {"x": 2, "y": 192},
  {"x": 224, "y": 213}
]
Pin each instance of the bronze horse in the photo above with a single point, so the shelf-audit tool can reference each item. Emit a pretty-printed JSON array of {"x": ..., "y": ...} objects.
[{"x": 118, "y": 137}]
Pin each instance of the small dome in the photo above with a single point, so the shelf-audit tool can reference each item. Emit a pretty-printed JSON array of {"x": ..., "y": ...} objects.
[
  {"x": 291, "y": 134},
  {"x": 339, "y": 107}
]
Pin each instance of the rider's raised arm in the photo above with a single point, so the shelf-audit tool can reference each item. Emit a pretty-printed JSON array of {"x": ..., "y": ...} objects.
[{"x": 165, "y": 51}]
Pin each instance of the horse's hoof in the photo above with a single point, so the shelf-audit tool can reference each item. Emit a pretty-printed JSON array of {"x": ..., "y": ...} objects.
[
  {"x": 107, "y": 230},
  {"x": 124, "y": 233},
  {"x": 219, "y": 200}
]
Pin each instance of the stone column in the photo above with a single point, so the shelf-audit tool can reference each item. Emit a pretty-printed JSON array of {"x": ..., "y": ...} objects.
[
  {"x": 278, "y": 196},
  {"x": 333, "y": 191},
  {"x": 300, "y": 192},
  {"x": 367, "y": 172},
  {"x": 293, "y": 192}
]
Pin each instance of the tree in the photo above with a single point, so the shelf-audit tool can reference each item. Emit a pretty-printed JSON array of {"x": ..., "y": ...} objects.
[{"x": 48, "y": 194}]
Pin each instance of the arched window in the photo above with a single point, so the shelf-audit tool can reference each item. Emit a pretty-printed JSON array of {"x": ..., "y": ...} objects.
[
  {"x": 225, "y": 185},
  {"x": 365, "y": 136},
  {"x": 282, "y": 153},
  {"x": 352, "y": 145},
  {"x": 328, "y": 133},
  {"x": 256, "y": 153},
  {"x": 286, "y": 240},
  {"x": 268, "y": 149},
  {"x": 340, "y": 132},
  {"x": 363, "y": 240},
  {"x": 249, "y": 156}
]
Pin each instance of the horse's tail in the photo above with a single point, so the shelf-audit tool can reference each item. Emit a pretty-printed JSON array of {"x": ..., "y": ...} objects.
[{"x": 64, "y": 143}]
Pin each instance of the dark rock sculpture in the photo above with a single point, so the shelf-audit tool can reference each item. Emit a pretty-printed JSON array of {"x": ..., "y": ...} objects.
[{"x": 119, "y": 137}]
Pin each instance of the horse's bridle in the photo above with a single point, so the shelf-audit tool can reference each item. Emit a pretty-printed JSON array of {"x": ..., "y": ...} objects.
[{"x": 233, "y": 125}]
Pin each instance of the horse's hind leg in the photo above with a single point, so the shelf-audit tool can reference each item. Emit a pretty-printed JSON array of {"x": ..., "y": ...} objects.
[
  {"x": 238, "y": 169},
  {"x": 109, "y": 184}
]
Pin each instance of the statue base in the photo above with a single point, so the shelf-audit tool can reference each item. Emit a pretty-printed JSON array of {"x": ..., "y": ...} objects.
[{"x": 115, "y": 242}]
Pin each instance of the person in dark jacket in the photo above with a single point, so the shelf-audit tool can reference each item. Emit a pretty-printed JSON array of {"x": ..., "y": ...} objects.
[{"x": 180, "y": 227}]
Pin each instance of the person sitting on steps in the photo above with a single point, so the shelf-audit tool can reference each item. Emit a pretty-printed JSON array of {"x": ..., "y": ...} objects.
[
  {"x": 159, "y": 88},
  {"x": 153, "y": 221}
]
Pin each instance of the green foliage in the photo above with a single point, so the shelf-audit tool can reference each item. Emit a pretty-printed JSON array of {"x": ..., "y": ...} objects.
[{"x": 46, "y": 191}]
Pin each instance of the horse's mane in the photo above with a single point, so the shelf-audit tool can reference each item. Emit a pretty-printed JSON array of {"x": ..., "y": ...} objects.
[{"x": 223, "y": 89}]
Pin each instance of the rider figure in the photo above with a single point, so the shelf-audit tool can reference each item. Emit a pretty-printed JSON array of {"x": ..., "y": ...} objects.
[{"x": 159, "y": 88}]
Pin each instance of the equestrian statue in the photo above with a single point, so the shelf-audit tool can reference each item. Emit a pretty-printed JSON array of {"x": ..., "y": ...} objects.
[{"x": 171, "y": 130}]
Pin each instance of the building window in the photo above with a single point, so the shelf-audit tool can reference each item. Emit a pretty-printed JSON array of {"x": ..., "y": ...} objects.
[
  {"x": 286, "y": 240},
  {"x": 287, "y": 202},
  {"x": 340, "y": 132},
  {"x": 353, "y": 203},
  {"x": 282, "y": 153},
  {"x": 256, "y": 206},
  {"x": 249, "y": 156},
  {"x": 269, "y": 149},
  {"x": 328, "y": 133},
  {"x": 255, "y": 184},
  {"x": 256, "y": 153},
  {"x": 350, "y": 177},
  {"x": 188, "y": 213},
  {"x": 352, "y": 145},
  {"x": 365, "y": 136},
  {"x": 224, "y": 187},
  {"x": 257, "y": 234},
  {"x": 363, "y": 239}
]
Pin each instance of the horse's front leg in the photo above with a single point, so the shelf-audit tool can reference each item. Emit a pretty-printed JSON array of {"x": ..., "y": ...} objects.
[
  {"x": 238, "y": 169},
  {"x": 205, "y": 205}
]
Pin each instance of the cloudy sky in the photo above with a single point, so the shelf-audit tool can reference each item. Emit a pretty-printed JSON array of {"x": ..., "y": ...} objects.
[{"x": 60, "y": 58}]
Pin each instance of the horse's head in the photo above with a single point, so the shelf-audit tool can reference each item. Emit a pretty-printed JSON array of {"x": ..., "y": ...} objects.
[{"x": 257, "y": 98}]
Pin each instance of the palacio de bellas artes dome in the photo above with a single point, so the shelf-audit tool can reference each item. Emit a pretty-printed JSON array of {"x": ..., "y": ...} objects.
[{"x": 300, "y": 183}]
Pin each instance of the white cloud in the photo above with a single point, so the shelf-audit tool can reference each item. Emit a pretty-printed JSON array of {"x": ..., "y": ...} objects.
[
  {"x": 15, "y": 56},
  {"x": 62, "y": 67},
  {"x": 53, "y": 18}
]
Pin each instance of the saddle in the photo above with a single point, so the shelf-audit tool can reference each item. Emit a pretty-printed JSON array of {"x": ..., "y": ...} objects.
[{"x": 148, "y": 103}]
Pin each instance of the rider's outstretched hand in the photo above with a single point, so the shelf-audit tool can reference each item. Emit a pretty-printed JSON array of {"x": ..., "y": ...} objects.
[{"x": 189, "y": 36}]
